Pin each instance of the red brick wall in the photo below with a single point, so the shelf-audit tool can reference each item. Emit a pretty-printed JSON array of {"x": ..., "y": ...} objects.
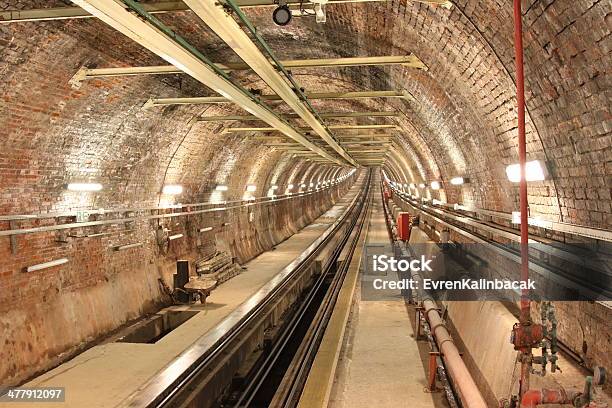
[{"x": 47, "y": 315}]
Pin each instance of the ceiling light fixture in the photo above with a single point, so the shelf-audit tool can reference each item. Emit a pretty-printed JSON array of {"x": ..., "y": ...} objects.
[
  {"x": 85, "y": 187},
  {"x": 457, "y": 181}
]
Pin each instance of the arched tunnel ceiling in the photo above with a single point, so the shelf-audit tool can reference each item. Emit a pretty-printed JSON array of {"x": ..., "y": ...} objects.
[{"x": 462, "y": 122}]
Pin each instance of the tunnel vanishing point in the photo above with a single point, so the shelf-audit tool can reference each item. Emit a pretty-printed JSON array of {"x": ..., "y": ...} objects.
[{"x": 317, "y": 203}]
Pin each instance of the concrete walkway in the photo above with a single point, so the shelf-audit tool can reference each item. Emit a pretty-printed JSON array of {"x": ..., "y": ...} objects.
[{"x": 381, "y": 363}]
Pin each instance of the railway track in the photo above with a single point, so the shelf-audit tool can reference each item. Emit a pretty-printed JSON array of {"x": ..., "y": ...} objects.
[
  {"x": 281, "y": 374},
  {"x": 283, "y": 320}
]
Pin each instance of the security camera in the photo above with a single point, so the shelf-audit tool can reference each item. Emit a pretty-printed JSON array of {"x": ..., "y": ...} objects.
[{"x": 281, "y": 15}]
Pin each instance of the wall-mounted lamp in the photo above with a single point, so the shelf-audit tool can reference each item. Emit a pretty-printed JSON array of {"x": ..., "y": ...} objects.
[
  {"x": 172, "y": 189},
  {"x": 534, "y": 171},
  {"x": 128, "y": 246},
  {"x": 46, "y": 265}
]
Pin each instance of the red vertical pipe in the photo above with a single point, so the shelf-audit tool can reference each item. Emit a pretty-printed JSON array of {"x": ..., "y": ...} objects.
[{"x": 522, "y": 147}]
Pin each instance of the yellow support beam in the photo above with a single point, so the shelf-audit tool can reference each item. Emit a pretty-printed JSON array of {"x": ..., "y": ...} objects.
[
  {"x": 306, "y": 129},
  {"x": 327, "y": 115},
  {"x": 201, "y": 100},
  {"x": 67, "y": 13}
]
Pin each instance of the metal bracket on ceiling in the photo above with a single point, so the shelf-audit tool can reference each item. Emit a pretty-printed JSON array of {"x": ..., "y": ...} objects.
[
  {"x": 13, "y": 238},
  {"x": 77, "y": 79}
]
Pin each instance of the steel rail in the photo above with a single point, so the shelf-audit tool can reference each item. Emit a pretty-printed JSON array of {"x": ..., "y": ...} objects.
[
  {"x": 319, "y": 322},
  {"x": 289, "y": 395},
  {"x": 501, "y": 231},
  {"x": 166, "y": 388},
  {"x": 546, "y": 271},
  {"x": 102, "y": 211},
  {"x": 72, "y": 225}
]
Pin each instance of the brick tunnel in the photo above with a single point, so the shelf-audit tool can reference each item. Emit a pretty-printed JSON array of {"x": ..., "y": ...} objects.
[{"x": 196, "y": 197}]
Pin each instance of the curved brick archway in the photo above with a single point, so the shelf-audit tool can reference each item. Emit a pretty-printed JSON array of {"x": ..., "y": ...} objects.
[{"x": 462, "y": 122}]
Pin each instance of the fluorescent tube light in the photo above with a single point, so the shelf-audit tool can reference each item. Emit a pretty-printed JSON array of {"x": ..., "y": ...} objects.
[
  {"x": 457, "y": 181},
  {"x": 251, "y": 188},
  {"x": 46, "y": 265},
  {"x": 128, "y": 246},
  {"x": 221, "y": 187},
  {"x": 435, "y": 185}
]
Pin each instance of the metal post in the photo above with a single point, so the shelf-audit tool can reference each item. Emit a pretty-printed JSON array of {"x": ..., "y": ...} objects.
[
  {"x": 525, "y": 318},
  {"x": 433, "y": 371}
]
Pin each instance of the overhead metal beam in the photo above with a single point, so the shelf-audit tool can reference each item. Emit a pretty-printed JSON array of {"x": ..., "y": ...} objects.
[
  {"x": 160, "y": 40},
  {"x": 381, "y": 136},
  {"x": 345, "y": 138},
  {"x": 410, "y": 60},
  {"x": 65, "y": 13},
  {"x": 223, "y": 24},
  {"x": 310, "y": 95},
  {"x": 371, "y": 153},
  {"x": 367, "y": 142},
  {"x": 223, "y": 118},
  {"x": 363, "y": 152},
  {"x": 305, "y": 129}
]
